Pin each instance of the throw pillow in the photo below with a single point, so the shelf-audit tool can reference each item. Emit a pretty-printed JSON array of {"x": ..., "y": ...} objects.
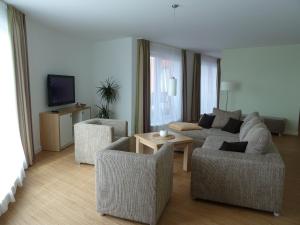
[
  {"x": 234, "y": 146},
  {"x": 206, "y": 121},
  {"x": 233, "y": 126},
  {"x": 183, "y": 126},
  {"x": 259, "y": 138},
  {"x": 222, "y": 117}
]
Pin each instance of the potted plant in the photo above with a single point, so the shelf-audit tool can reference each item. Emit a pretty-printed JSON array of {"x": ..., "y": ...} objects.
[{"x": 108, "y": 92}]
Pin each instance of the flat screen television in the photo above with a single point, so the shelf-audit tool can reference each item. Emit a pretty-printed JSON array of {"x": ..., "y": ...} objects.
[{"x": 61, "y": 89}]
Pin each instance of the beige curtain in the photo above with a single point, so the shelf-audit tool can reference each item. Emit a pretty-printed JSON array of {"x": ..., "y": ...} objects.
[
  {"x": 142, "y": 111},
  {"x": 218, "y": 81},
  {"x": 195, "y": 113},
  {"x": 19, "y": 42},
  {"x": 184, "y": 86}
]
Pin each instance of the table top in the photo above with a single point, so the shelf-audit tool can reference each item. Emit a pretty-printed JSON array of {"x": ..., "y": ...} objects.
[{"x": 179, "y": 139}]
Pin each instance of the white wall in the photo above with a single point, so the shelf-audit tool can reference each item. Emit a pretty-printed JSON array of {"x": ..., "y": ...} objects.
[
  {"x": 51, "y": 52},
  {"x": 268, "y": 80},
  {"x": 117, "y": 59}
]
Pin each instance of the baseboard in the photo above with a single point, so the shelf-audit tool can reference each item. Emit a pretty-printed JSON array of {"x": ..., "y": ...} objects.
[{"x": 291, "y": 133}]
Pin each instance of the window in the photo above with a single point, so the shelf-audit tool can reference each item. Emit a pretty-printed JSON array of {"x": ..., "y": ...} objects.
[
  {"x": 165, "y": 62},
  {"x": 12, "y": 159},
  {"x": 209, "y": 79}
]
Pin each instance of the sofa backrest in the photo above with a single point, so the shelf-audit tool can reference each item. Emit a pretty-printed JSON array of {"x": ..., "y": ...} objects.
[
  {"x": 247, "y": 125},
  {"x": 258, "y": 138},
  {"x": 250, "y": 116},
  {"x": 222, "y": 117}
]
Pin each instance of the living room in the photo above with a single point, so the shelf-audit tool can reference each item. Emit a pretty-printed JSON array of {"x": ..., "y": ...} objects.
[{"x": 174, "y": 82}]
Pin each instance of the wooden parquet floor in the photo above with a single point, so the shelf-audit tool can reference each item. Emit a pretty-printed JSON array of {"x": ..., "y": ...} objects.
[{"x": 57, "y": 191}]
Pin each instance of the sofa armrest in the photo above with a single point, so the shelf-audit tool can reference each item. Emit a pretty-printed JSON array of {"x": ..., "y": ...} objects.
[
  {"x": 122, "y": 144},
  {"x": 120, "y": 126},
  {"x": 125, "y": 184},
  {"x": 247, "y": 177},
  {"x": 164, "y": 177}
]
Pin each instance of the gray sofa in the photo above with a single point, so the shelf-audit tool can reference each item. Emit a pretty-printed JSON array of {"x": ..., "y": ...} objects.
[
  {"x": 133, "y": 186},
  {"x": 254, "y": 179}
]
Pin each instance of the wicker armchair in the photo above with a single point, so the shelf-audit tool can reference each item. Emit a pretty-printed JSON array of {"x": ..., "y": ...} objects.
[
  {"x": 133, "y": 186},
  {"x": 95, "y": 134}
]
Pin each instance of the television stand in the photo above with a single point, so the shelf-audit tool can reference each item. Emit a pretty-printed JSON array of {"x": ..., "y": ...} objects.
[{"x": 56, "y": 127}]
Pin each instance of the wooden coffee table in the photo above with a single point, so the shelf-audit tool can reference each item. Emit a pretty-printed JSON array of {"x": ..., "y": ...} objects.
[{"x": 179, "y": 141}]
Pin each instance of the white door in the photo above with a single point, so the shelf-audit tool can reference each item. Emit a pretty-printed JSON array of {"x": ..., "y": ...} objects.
[
  {"x": 86, "y": 114},
  {"x": 66, "y": 130}
]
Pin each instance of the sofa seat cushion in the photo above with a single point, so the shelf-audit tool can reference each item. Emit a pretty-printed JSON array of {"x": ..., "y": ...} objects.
[
  {"x": 198, "y": 136},
  {"x": 219, "y": 132},
  {"x": 215, "y": 142},
  {"x": 222, "y": 117}
]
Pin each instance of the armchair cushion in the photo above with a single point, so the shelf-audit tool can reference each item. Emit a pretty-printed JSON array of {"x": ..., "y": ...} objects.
[{"x": 122, "y": 144}]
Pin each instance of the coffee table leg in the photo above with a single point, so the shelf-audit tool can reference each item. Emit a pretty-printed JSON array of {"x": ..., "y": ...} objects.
[
  {"x": 139, "y": 146},
  {"x": 187, "y": 157}
]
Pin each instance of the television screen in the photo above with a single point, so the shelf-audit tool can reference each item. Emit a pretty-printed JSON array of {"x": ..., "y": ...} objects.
[{"x": 61, "y": 90}]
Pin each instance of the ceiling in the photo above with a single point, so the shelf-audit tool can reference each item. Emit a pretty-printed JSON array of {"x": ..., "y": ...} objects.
[{"x": 201, "y": 25}]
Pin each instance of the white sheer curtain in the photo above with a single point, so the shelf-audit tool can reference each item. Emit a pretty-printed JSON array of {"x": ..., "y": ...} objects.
[
  {"x": 165, "y": 62},
  {"x": 12, "y": 158},
  {"x": 209, "y": 80}
]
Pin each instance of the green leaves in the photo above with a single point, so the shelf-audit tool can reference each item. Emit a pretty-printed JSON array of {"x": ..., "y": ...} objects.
[
  {"x": 103, "y": 112},
  {"x": 108, "y": 92}
]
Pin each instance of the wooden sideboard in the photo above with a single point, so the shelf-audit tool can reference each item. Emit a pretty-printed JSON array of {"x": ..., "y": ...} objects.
[{"x": 56, "y": 128}]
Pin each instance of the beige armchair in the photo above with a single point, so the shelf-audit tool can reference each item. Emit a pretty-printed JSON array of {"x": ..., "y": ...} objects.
[
  {"x": 133, "y": 186},
  {"x": 95, "y": 134}
]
